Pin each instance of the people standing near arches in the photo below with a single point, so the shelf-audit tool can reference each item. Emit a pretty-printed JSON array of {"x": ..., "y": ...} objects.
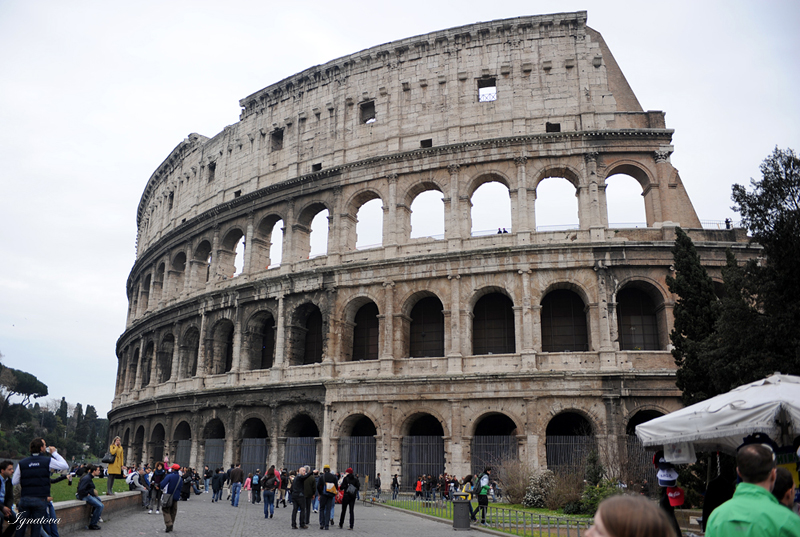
[
  {"x": 115, "y": 468},
  {"x": 350, "y": 485}
]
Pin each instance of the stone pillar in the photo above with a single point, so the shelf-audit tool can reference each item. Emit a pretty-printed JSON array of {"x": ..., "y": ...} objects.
[
  {"x": 536, "y": 313},
  {"x": 532, "y": 439},
  {"x": 454, "y": 352},
  {"x": 176, "y": 352},
  {"x": 202, "y": 350},
  {"x": 454, "y": 221},
  {"x": 661, "y": 196},
  {"x": 594, "y": 219},
  {"x": 273, "y": 436},
  {"x": 276, "y": 373},
  {"x": 522, "y": 220},
  {"x": 237, "y": 342},
  {"x": 455, "y": 458},
  {"x": 603, "y": 315},
  {"x": 387, "y": 335},
  {"x": 215, "y": 258},
  {"x": 391, "y": 226},
  {"x": 248, "y": 243},
  {"x": 288, "y": 255},
  {"x": 527, "y": 350},
  {"x": 326, "y": 454},
  {"x": 137, "y": 384},
  {"x": 194, "y": 459},
  {"x": 230, "y": 438}
]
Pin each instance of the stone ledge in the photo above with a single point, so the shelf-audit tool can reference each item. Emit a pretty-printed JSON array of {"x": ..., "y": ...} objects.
[{"x": 74, "y": 515}]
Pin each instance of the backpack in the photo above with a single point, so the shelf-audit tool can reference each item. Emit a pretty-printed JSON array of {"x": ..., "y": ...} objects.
[
  {"x": 255, "y": 480},
  {"x": 129, "y": 481}
]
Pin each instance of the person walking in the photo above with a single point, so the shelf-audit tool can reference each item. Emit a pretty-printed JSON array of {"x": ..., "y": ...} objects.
[
  {"x": 88, "y": 494},
  {"x": 326, "y": 486},
  {"x": 395, "y": 486},
  {"x": 171, "y": 485},
  {"x": 270, "y": 486},
  {"x": 33, "y": 475},
  {"x": 217, "y": 484},
  {"x": 237, "y": 479},
  {"x": 482, "y": 486},
  {"x": 377, "y": 485},
  {"x": 255, "y": 486},
  {"x": 350, "y": 485},
  {"x": 115, "y": 468}
]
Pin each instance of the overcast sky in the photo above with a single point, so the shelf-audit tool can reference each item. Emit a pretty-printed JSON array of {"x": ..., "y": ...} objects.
[{"x": 95, "y": 95}]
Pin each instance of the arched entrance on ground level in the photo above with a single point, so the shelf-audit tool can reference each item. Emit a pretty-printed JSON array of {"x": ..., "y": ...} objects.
[
  {"x": 639, "y": 463},
  {"x": 356, "y": 447},
  {"x": 182, "y": 442},
  {"x": 255, "y": 446},
  {"x": 569, "y": 440},
  {"x": 157, "y": 444},
  {"x": 301, "y": 443},
  {"x": 494, "y": 442},
  {"x": 422, "y": 450},
  {"x": 214, "y": 444},
  {"x": 138, "y": 445}
]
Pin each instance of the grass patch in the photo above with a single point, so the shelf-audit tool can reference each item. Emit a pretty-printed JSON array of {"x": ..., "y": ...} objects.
[{"x": 63, "y": 492}]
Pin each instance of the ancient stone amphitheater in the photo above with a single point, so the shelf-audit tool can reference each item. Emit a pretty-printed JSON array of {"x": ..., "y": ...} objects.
[{"x": 422, "y": 353}]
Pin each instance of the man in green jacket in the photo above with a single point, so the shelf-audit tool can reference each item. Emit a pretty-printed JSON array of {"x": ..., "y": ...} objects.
[{"x": 753, "y": 511}]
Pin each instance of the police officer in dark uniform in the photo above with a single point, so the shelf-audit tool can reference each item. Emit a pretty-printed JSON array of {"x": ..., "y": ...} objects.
[{"x": 33, "y": 474}]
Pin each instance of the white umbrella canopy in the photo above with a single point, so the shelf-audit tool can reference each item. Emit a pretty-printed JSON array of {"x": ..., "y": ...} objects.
[{"x": 770, "y": 405}]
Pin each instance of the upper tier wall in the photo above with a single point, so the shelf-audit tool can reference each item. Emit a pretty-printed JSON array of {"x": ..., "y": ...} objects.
[{"x": 548, "y": 69}]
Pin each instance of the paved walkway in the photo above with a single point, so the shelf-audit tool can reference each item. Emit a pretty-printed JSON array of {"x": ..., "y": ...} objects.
[{"x": 200, "y": 517}]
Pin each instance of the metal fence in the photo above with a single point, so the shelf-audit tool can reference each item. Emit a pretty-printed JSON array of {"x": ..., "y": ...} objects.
[
  {"x": 214, "y": 453},
  {"x": 492, "y": 450},
  {"x": 254, "y": 454},
  {"x": 513, "y": 521},
  {"x": 183, "y": 452},
  {"x": 300, "y": 451},
  {"x": 358, "y": 453},
  {"x": 638, "y": 463},
  {"x": 422, "y": 455},
  {"x": 567, "y": 454}
]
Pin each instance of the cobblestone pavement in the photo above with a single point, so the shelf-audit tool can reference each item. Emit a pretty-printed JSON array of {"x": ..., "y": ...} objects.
[{"x": 200, "y": 517}]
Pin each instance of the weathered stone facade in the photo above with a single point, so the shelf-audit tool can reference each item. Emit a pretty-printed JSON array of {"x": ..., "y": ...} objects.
[{"x": 520, "y": 327}]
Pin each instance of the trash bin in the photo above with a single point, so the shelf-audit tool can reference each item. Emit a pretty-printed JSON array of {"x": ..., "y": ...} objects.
[{"x": 461, "y": 511}]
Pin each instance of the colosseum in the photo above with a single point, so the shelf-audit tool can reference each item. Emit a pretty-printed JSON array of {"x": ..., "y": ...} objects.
[{"x": 425, "y": 352}]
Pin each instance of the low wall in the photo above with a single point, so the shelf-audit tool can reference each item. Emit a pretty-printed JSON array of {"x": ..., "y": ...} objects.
[{"x": 73, "y": 515}]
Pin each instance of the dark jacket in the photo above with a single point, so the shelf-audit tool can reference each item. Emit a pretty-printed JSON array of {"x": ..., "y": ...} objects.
[
  {"x": 86, "y": 486},
  {"x": 8, "y": 501},
  {"x": 172, "y": 484},
  {"x": 298, "y": 486},
  {"x": 325, "y": 477},
  {"x": 308, "y": 487},
  {"x": 218, "y": 481},
  {"x": 348, "y": 480},
  {"x": 237, "y": 475}
]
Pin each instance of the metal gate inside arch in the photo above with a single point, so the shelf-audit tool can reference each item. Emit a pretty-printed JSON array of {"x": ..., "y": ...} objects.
[
  {"x": 358, "y": 453},
  {"x": 299, "y": 452},
  {"x": 183, "y": 452},
  {"x": 254, "y": 454},
  {"x": 215, "y": 452},
  {"x": 422, "y": 455},
  {"x": 492, "y": 450}
]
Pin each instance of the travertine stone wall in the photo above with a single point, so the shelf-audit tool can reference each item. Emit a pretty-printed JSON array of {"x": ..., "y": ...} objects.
[{"x": 192, "y": 352}]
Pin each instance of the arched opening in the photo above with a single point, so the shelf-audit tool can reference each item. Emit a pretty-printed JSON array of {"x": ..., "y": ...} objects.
[
  {"x": 231, "y": 254},
  {"x": 422, "y": 449},
  {"x": 255, "y": 446},
  {"x": 158, "y": 282},
  {"x": 268, "y": 243},
  {"x": 365, "y": 333},
  {"x": 306, "y": 334},
  {"x": 138, "y": 445},
  {"x": 222, "y": 348},
  {"x": 494, "y": 442},
  {"x": 357, "y": 446},
  {"x": 426, "y": 333},
  {"x": 493, "y": 325},
  {"x": 262, "y": 341},
  {"x": 491, "y": 209},
  {"x": 625, "y": 202},
  {"x": 202, "y": 260},
  {"x": 214, "y": 443},
  {"x": 164, "y": 358},
  {"x": 369, "y": 225},
  {"x": 318, "y": 237},
  {"x": 556, "y": 205},
  {"x": 157, "y": 444},
  {"x": 301, "y": 443},
  {"x": 637, "y": 319},
  {"x": 564, "y": 326},
  {"x": 276, "y": 248},
  {"x": 182, "y": 441},
  {"x": 176, "y": 273},
  {"x": 145, "y": 299},
  {"x": 638, "y": 462},
  {"x": 132, "y": 368},
  {"x": 147, "y": 363},
  {"x": 427, "y": 215},
  {"x": 190, "y": 351},
  {"x": 569, "y": 440}
]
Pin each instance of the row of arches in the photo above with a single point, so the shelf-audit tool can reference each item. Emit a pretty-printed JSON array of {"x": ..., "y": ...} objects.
[
  {"x": 564, "y": 321},
  {"x": 494, "y": 436},
  {"x": 373, "y": 217}
]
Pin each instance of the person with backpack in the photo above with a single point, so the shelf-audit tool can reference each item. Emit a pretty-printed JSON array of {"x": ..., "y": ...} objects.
[
  {"x": 482, "y": 486},
  {"x": 271, "y": 484},
  {"x": 255, "y": 486},
  {"x": 350, "y": 485},
  {"x": 171, "y": 485},
  {"x": 326, "y": 486}
]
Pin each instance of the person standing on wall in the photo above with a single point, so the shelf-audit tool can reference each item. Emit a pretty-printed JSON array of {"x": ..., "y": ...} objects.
[
  {"x": 115, "y": 468},
  {"x": 33, "y": 474}
]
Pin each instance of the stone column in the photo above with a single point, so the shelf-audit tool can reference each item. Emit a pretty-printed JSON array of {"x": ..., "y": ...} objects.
[
  {"x": 454, "y": 353},
  {"x": 387, "y": 335},
  {"x": 594, "y": 219},
  {"x": 230, "y": 438},
  {"x": 276, "y": 373},
  {"x": 527, "y": 350},
  {"x": 661, "y": 197},
  {"x": 237, "y": 343},
  {"x": 603, "y": 314},
  {"x": 138, "y": 381},
  {"x": 457, "y": 439},
  {"x": 391, "y": 227},
  {"x": 522, "y": 220},
  {"x": 453, "y": 221},
  {"x": 532, "y": 439},
  {"x": 273, "y": 436},
  {"x": 248, "y": 243},
  {"x": 202, "y": 348},
  {"x": 326, "y": 453},
  {"x": 176, "y": 353},
  {"x": 194, "y": 452}
]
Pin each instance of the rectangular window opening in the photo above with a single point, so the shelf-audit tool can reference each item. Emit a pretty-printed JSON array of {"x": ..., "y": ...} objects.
[
  {"x": 316, "y": 167},
  {"x": 212, "y": 171},
  {"x": 368, "y": 112},
  {"x": 552, "y": 127},
  {"x": 426, "y": 143},
  {"x": 237, "y": 193},
  {"x": 276, "y": 139},
  {"x": 487, "y": 90}
]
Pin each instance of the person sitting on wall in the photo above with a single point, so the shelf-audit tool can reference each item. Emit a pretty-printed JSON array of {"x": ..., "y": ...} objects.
[{"x": 87, "y": 493}]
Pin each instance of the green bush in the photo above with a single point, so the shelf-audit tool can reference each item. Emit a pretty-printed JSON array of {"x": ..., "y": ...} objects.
[
  {"x": 539, "y": 488},
  {"x": 592, "y": 496}
]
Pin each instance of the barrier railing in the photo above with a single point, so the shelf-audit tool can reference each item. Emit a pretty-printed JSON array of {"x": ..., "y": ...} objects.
[{"x": 507, "y": 520}]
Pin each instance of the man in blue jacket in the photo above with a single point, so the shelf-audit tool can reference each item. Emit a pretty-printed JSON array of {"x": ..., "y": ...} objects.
[
  {"x": 88, "y": 493},
  {"x": 33, "y": 474},
  {"x": 172, "y": 485}
]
